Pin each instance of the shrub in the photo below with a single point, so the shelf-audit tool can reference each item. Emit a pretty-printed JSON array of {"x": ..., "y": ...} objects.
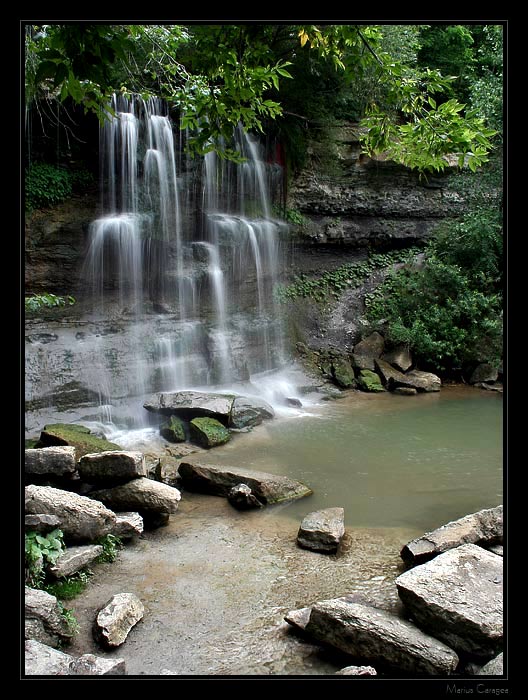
[
  {"x": 41, "y": 550},
  {"x": 46, "y": 185}
]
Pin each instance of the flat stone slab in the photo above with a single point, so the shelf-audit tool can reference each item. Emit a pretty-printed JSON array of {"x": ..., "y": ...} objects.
[
  {"x": 483, "y": 528},
  {"x": 112, "y": 466},
  {"x": 379, "y": 637},
  {"x": 457, "y": 597},
  {"x": 322, "y": 530},
  {"x": 219, "y": 480},
  {"x": 81, "y": 519},
  {"x": 56, "y": 461},
  {"x": 415, "y": 379},
  {"x": 74, "y": 559},
  {"x": 116, "y": 618},
  {"x": 192, "y": 404},
  {"x": 140, "y": 494}
]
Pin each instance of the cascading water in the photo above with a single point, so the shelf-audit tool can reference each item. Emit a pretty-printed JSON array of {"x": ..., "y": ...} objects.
[{"x": 191, "y": 277}]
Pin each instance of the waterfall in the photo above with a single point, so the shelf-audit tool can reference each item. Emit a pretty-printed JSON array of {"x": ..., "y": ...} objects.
[{"x": 186, "y": 253}]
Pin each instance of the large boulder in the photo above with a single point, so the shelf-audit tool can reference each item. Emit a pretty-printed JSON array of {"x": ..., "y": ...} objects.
[
  {"x": 143, "y": 495},
  {"x": 173, "y": 430},
  {"x": 457, "y": 597},
  {"x": 42, "y": 660},
  {"x": 484, "y": 373},
  {"x": 343, "y": 373},
  {"x": 74, "y": 559},
  {"x": 219, "y": 480},
  {"x": 112, "y": 467},
  {"x": 51, "y": 461},
  {"x": 322, "y": 530},
  {"x": 81, "y": 519},
  {"x": 495, "y": 667},
  {"x": 369, "y": 381},
  {"x": 208, "y": 432},
  {"x": 247, "y": 412},
  {"x": 483, "y": 528},
  {"x": 43, "y": 618},
  {"x": 415, "y": 379},
  {"x": 399, "y": 357},
  {"x": 192, "y": 404},
  {"x": 116, "y": 618},
  {"x": 78, "y": 436},
  {"x": 379, "y": 637},
  {"x": 371, "y": 346}
]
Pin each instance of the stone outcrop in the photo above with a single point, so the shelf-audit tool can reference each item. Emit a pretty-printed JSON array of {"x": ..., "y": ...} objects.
[
  {"x": 322, "y": 530},
  {"x": 173, "y": 430},
  {"x": 74, "y": 559},
  {"x": 81, "y": 519},
  {"x": 241, "y": 498},
  {"x": 457, "y": 597},
  {"x": 116, "y": 618},
  {"x": 43, "y": 619},
  {"x": 248, "y": 412},
  {"x": 495, "y": 667},
  {"x": 192, "y": 404},
  {"x": 379, "y": 637},
  {"x": 142, "y": 494},
  {"x": 483, "y": 528},
  {"x": 51, "y": 461},
  {"x": 208, "y": 432},
  {"x": 112, "y": 467},
  {"x": 74, "y": 435},
  {"x": 219, "y": 480},
  {"x": 128, "y": 525}
]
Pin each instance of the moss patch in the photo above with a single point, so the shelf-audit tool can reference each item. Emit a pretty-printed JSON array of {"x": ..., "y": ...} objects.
[
  {"x": 343, "y": 374},
  {"x": 208, "y": 432},
  {"x": 369, "y": 381},
  {"x": 173, "y": 430},
  {"x": 77, "y": 436}
]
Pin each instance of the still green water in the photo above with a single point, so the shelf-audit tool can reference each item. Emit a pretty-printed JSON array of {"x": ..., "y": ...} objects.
[{"x": 390, "y": 461}]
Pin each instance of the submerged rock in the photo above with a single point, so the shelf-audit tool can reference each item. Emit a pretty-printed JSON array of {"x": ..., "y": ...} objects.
[
  {"x": 458, "y": 598},
  {"x": 322, "y": 530},
  {"x": 51, "y": 461},
  {"x": 173, "y": 430},
  {"x": 116, "y": 618},
  {"x": 112, "y": 467},
  {"x": 247, "y": 412},
  {"x": 81, "y": 519},
  {"x": 192, "y": 404},
  {"x": 44, "y": 621},
  {"x": 208, "y": 432},
  {"x": 292, "y": 401},
  {"x": 405, "y": 391},
  {"x": 77, "y": 436},
  {"x": 219, "y": 480},
  {"x": 241, "y": 498},
  {"x": 74, "y": 559},
  {"x": 369, "y": 381},
  {"x": 378, "y": 636},
  {"x": 140, "y": 495},
  {"x": 483, "y": 528}
]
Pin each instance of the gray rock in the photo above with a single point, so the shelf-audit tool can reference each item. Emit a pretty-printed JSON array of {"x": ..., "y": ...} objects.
[
  {"x": 415, "y": 379},
  {"x": 91, "y": 665},
  {"x": 495, "y": 667},
  {"x": 219, "y": 480},
  {"x": 484, "y": 373},
  {"x": 497, "y": 549},
  {"x": 298, "y": 618},
  {"x": 292, "y": 401},
  {"x": 112, "y": 467},
  {"x": 81, "y": 518},
  {"x": 74, "y": 559},
  {"x": 399, "y": 357},
  {"x": 116, "y": 618},
  {"x": 357, "y": 671},
  {"x": 322, "y": 530},
  {"x": 42, "y": 660},
  {"x": 53, "y": 461},
  {"x": 405, "y": 391},
  {"x": 458, "y": 598},
  {"x": 143, "y": 495},
  {"x": 247, "y": 412},
  {"x": 192, "y": 404},
  {"x": 379, "y": 637},
  {"x": 41, "y": 523},
  {"x": 362, "y": 362},
  {"x": 483, "y": 528},
  {"x": 173, "y": 430},
  {"x": 128, "y": 525},
  {"x": 371, "y": 346},
  {"x": 43, "y": 619},
  {"x": 241, "y": 498}
]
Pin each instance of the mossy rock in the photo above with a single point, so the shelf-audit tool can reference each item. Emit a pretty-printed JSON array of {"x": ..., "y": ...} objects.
[
  {"x": 173, "y": 430},
  {"x": 369, "y": 381},
  {"x": 31, "y": 443},
  {"x": 208, "y": 432},
  {"x": 343, "y": 374},
  {"x": 77, "y": 436}
]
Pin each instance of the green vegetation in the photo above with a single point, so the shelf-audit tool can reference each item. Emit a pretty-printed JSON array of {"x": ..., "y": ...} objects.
[
  {"x": 332, "y": 284},
  {"x": 36, "y": 302},
  {"x": 41, "y": 551},
  {"x": 71, "y": 620},
  {"x": 111, "y": 546},
  {"x": 68, "y": 587},
  {"x": 78, "y": 436},
  {"x": 46, "y": 185}
]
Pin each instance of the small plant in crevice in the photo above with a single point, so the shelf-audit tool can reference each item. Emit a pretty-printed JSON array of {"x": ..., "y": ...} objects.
[
  {"x": 46, "y": 301},
  {"x": 40, "y": 552},
  {"x": 71, "y": 620},
  {"x": 111, "y": 545}
]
